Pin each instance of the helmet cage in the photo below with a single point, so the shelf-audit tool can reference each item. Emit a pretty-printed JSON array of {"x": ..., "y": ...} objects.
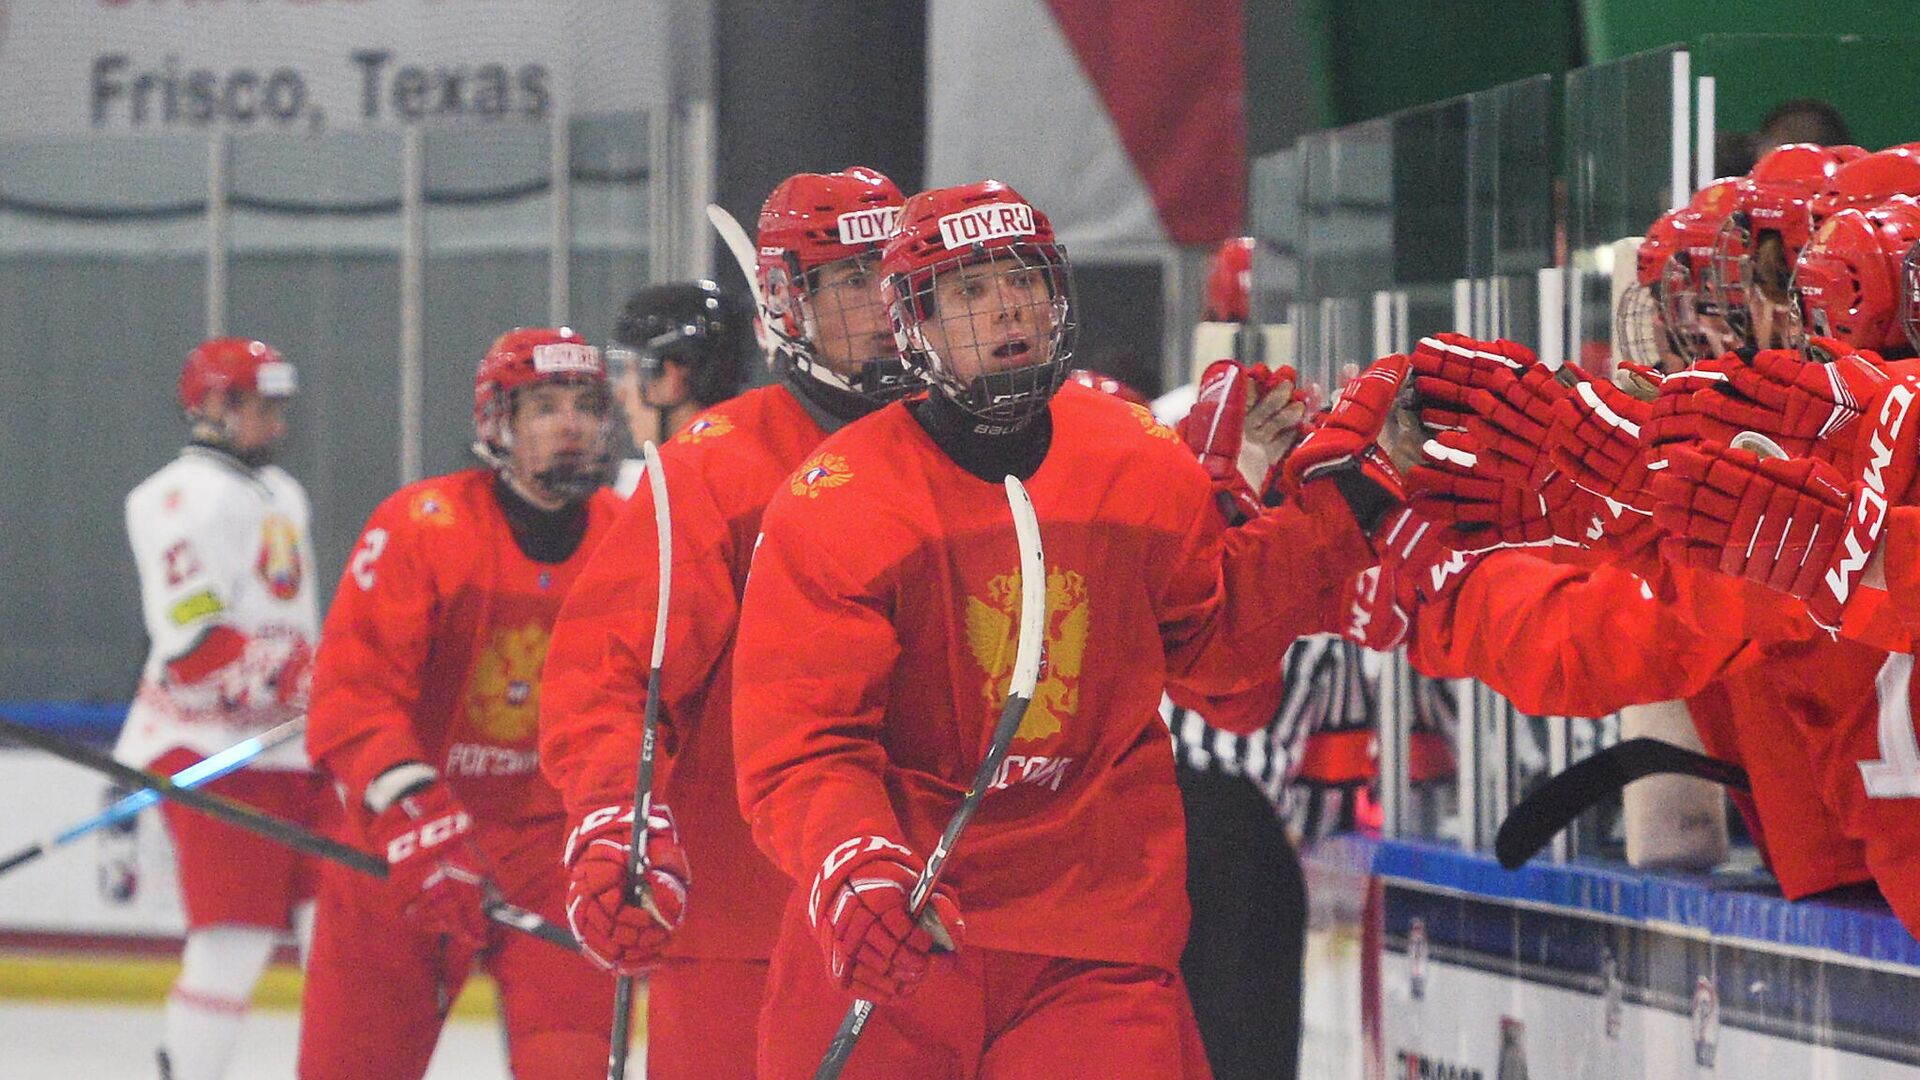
[
  {"x": 792, "y": 298},
  {"x": 1684, "y": 308},
  {"x": 1910, "y": 296},
  {"x": 1729, "y": 272},
  {"x": 1006, "y": 399},
  {"x": 1639, "y": 328}
]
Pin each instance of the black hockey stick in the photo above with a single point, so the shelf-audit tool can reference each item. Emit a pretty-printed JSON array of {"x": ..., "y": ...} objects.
[
  {"x": 1026, "y": 672},
  {"x": 242, "y": 816},
  {"x": 637, "y": 890},
  {"x": 1537, "y": 819},
  {"x": 200, "y": 772},
  {"x": 215, "y": 806}
]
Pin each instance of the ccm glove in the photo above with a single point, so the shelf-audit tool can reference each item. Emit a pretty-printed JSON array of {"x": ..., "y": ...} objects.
[
  {"x": 859, "y": 907},
  {"x": 616, "y": 930},
  {"x": 425, "y": 836}
]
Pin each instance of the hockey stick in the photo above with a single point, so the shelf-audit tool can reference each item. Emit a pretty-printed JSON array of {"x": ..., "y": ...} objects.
[
  {"x": 741, "y": 246},
  {"x": 1026, "y": 672},
  {"x": 1532, "y": 824},
  {"x": 246, "y": 817},
  {"x": 200, "y": 772},
  {"x": 215, "y": 806},
  {"x": 637, "y": 889}
]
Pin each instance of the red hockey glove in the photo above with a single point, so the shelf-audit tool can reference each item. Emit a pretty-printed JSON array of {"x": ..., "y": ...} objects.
[
  {"x": 1795, "y": 524},
  {"x": 1349, "y": 445},
  {"x": 1274, "y": 425},
  {"x": 614, "y": 931},
  {"x": 858, "y": 908},
  {"x": 1513, "y": 429},
  {"x": 1474, "y": 510},
  {"x": 1416, "y": 567},
  {"x": 432, "y": 864},
  {"x": 1214, "y": 430},
  {"x": 1450, "y": 366},
  {"x": 1807, "y": 406},
  {"x": 1597, "y": 433}
]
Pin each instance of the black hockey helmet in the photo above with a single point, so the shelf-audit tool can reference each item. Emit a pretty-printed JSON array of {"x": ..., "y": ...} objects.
[{"x": 696, "y": 324}]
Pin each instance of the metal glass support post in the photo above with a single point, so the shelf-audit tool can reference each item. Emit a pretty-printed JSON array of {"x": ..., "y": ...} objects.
[
  {"x": 219, "y": 227},
  {"x": 413, "y": 293},
  {"x": 560, "y": 220}
]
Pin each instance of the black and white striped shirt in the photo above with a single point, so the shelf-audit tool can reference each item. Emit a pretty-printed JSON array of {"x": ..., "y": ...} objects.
[{"x": 1328, "y": 687}]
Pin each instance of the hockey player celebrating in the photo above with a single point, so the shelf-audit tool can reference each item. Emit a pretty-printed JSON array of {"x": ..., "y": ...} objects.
[
  {"x": 874, "y": 643},
  {"x": 226, "y": 586},
  {"x": 681, "y": 348},
  {"x": 425, "y": 696},
  {"x": 819, "y": 241}
]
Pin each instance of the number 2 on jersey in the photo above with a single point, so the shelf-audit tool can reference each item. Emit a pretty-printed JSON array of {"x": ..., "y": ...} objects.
[
  {"x": 361, "y": 565},
  {"x": 1897, "y": 774}
]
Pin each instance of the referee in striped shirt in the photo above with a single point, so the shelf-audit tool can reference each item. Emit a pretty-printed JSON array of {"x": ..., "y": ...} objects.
[{"x": 1245, "y": 950}]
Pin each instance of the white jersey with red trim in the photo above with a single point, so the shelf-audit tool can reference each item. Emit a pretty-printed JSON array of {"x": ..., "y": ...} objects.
[{"x": 221, "y": 547}]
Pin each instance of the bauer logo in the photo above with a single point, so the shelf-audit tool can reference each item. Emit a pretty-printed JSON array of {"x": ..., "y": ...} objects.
[
  {"x": 566, "y": 357},
  {"x": 868, "y": 226},
  {"x": 983, "y": 223}
]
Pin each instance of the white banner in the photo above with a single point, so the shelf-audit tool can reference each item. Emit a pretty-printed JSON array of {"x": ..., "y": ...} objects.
[{"x": 76, "y": 67}]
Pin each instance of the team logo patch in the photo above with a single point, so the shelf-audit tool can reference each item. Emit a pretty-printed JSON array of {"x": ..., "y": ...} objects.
[
  {"x": 993, "y": 627},
  {"x": 198, "y": 606},
  {"x": 709, "y": 426},
  {"x": 820, "y": 472},
  {"x": 429, "y": 507},
  {"x": 279, "y": 561},
  {"x": 503, "y": 693},
  {"x": 979, "y": 224},
  {"x": 181, "y": 562},
  {"x": 868, "y": 226},
  {"x": 1147, "y": 420}
]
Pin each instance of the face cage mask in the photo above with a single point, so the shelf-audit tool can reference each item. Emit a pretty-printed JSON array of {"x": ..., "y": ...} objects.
[
  {"x": 1686, "y": 310},
  {"x": 1910, "y": 297},
  {"x": 878, "y": 378},
  {"x": 1637, "y": 331},
  {"x": 569, "y": 483},
  {"x": 1004, "y": 400},
  {"x": 1728, "y": 274}
]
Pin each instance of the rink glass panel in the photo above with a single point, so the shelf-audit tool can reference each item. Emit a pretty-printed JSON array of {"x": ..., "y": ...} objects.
[
  {"x": 314, "y": 269},
  {"x": 103, "y": 251}
]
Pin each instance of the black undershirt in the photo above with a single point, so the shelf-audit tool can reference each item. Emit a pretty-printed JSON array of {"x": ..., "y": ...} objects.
[
  {"x": 991, "y": 457},
  {"x": 545, "y": 536}
]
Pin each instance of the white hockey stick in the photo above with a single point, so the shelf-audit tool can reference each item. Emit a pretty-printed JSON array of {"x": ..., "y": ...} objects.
[
  {"x": 638, "y": 892},
  {"x": 1026, "y": 672},
  {"x": 742, "y": 247}
]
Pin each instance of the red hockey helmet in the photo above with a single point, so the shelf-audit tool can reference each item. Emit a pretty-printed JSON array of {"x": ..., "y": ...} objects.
[
  {"x": 1848, "y": 282},
  {"x": 1230, "y": 281},
  {"x": 1107, "y": 384},
  {"x": 1694, "y": 323},
  {"x": 519, "y": 358},
  {"x": 809, "y": 223},
  {"x": 1869, "y": 181},
  {"x": 235, "y": 365},
  {"x": 981, "y": 300},
  {"x": 1772, "y": 200}
]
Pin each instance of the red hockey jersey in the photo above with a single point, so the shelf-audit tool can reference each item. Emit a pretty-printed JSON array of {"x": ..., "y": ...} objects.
[
  {"x": 720, "y": 471},
  {"x": 1757, "y": 676},
  {"x": 877, "y": 636},
  {"x": 432, "y": 650}
]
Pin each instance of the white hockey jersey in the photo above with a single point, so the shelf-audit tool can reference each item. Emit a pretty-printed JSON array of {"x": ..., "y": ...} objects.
[{"x": 218, "y": 544}]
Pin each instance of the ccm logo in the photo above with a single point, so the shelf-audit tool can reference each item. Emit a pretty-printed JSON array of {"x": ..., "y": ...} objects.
[
  {"x": 1869, "y": 511},
  {"x": 983, "y": 223},
  {"x": 868, "y": 226},
  {"x": 427, "y": 835}
]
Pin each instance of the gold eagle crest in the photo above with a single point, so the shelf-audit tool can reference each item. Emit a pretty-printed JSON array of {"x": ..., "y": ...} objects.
[
  {"x": 1147, "y": 420},
  {"x": 503, "y": 693},
  {"x": 818, "y": 473},
  {"x": 992, "y": 636},
  {"x": 709, "y": 426}
]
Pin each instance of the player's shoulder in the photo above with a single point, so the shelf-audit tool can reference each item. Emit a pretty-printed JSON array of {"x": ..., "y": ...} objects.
[
  {"x": 436, "y": 504},
  {"x": 192, "y": 486},
  {"x": 1108, "y": 425},
  {"x": 743, "y": 430},
  {"x": 853, "y": 474}
]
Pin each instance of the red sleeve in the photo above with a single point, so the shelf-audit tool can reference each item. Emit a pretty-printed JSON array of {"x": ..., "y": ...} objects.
[
  {"x": 1585, "y": 641},
  {"x": 373, "y": 649},
  {"x": 1892, "y": 620},
  {"x": 593, "y": 690},
  {"x": 1237, "y": 598},
  {"x": 812, "y": 667}
]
